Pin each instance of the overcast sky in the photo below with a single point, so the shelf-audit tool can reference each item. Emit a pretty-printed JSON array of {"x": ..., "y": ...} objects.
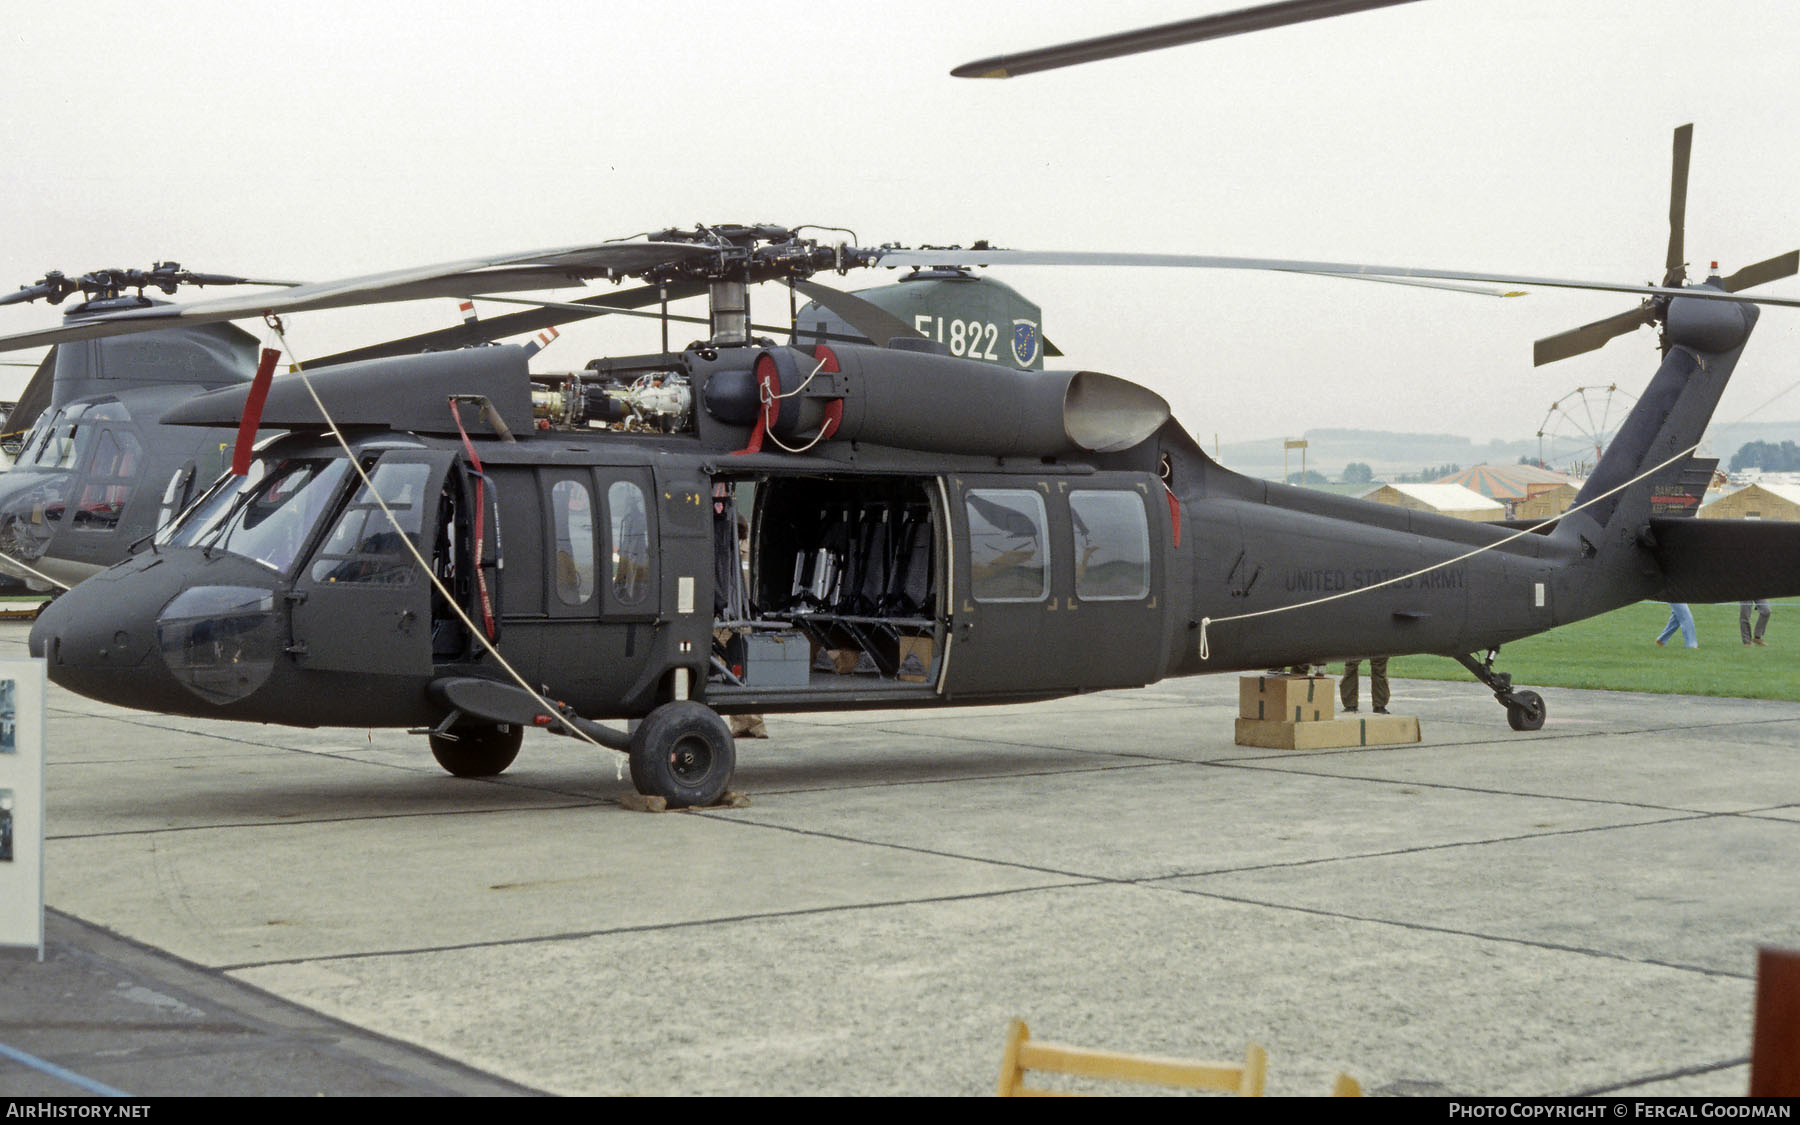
[{"x": 327, "y": 139}]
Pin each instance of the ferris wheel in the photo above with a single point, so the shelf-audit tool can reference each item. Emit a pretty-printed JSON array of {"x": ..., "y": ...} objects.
[{"x": 1578, "y": 425}]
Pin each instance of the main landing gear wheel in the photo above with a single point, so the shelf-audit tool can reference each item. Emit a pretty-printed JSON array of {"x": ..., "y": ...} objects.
[
  {"x": 1525, "y": 711},
  {"x": 478, "y": 751},
  {"x": 683, "y": 753}
]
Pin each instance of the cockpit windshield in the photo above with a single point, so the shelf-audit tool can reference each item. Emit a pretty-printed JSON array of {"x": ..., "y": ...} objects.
[
  {"x": 61, "y": 441},
  {"x": 269, "y": 520}
]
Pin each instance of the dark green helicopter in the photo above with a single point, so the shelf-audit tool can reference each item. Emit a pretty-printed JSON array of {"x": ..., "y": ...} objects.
[{"x": 442, "y": 541}]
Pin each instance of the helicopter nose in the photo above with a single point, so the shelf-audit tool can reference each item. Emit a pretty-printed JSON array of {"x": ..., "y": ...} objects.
[
  {"x": 158, "y": 631},
  {"x": 31, "y": 506}
]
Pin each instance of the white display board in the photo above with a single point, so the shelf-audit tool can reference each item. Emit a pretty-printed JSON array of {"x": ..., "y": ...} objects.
[{"x": 22, "y": 803}]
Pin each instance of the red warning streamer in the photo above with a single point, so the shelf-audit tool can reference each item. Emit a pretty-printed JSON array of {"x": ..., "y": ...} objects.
[
  {"x": 253, "y": 408},
  {"x": 1174, "y": 512}
]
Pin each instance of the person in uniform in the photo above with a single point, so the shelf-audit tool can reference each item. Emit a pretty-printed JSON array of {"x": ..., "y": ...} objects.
[{"x": 1378, "y": 684}]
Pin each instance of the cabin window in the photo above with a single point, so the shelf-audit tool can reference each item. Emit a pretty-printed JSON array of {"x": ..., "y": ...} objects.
[
  {"x": 630, "y": 542},
  {"x": 1008, "y": 559},
  {"x": 365, "y": 546},
  {"x": 117, "y": 460},
  {"x": 572, "y": 508},
  {"x": 1112, "y": 545}
]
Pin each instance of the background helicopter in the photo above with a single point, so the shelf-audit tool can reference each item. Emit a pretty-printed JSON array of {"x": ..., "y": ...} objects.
[
  {"x": 94, "y": 471},
  {"x": 1076, "y": 539}
]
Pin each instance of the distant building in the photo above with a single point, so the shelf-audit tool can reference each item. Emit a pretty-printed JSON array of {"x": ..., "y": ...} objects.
[
  {"x": 1544, "y": 501},
  {"x": 1444, "y": 499},
  {"x": 1758, "y": 501}
]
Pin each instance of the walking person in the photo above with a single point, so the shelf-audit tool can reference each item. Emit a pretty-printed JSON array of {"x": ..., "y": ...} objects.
[
  {"x": 1680, "y": 617},
  {"x": 1761, "y": 606}
]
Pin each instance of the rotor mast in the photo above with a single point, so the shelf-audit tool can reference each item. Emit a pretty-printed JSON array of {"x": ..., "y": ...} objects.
[{"x": 729, "y": 312}]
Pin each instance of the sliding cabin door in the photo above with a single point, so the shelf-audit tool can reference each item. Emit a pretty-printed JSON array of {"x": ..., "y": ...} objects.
[{"x": 1057, "y": 582}]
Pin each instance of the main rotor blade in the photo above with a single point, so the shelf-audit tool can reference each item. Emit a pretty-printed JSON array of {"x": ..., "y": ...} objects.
[
  {"x": 871, "y": 320},
  {"x": 540, "y": 269},
  {"x": 1588, "y": 337},
  {"x": 1175, "y": 34},
  {"x": 1675, "y": 272},
  {"x": 516, "y": 324},
  {"x": 1451, "y": 286},
  {"x": 890, "y": 258},
  {"x": 1780, "y": 266},
  {"x": 547, "y": 314}
]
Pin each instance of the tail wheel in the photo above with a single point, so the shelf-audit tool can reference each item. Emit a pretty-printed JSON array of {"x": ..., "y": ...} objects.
[
  {"x": 1525, "y": 711},
  {"x": 478, "y": 751},
  {"x": 683, "y": 752}
]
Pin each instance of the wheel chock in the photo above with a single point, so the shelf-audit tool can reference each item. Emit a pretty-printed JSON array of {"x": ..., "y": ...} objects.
[{"x": 638, "y": 802}]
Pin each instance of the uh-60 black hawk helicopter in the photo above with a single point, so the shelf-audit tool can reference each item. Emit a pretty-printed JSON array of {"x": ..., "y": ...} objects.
[{"x": 470, "y": 552}]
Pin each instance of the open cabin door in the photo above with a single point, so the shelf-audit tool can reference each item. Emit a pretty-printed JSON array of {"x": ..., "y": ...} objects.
[
  {"x": 361, "y": 603},
  {"x": 1058, "y": 582},
  {"x": 839, "y": 592}
]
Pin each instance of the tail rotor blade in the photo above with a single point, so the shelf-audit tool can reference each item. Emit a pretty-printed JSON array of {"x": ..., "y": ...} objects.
[
  {"x": 1774, "y": 269},
  {"x": 1678, "y": 181},
  {"x": 1589, "y": 336}
]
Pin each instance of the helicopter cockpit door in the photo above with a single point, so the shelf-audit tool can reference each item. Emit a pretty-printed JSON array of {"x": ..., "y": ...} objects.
[{"x": 360, "y": 601}]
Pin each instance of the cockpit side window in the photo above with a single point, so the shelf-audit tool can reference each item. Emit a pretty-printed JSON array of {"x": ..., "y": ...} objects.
[
  {"x": 118, "y": 457},
  {"x": 365, "y": 546}
]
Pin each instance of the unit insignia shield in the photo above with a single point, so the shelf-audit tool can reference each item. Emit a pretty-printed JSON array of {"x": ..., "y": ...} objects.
[{"x": 1025, "y": 342}]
